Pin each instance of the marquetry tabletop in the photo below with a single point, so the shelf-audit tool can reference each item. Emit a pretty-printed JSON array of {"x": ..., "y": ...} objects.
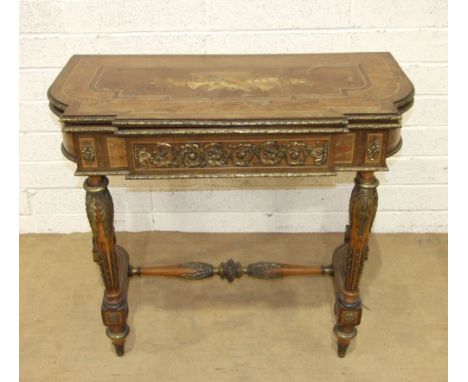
[{"x": 187, "y": 89}]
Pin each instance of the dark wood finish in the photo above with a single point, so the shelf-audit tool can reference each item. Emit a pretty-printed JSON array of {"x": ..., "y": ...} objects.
[{"x": 231, "y": 116}]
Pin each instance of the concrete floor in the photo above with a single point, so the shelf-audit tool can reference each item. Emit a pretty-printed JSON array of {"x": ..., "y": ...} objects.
[{"x": 251, "y": 330}]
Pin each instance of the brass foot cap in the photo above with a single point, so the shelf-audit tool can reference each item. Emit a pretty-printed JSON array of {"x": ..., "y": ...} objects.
[
  {"x": 345, "y": 335},
  {"x": 118, "y": 336}
]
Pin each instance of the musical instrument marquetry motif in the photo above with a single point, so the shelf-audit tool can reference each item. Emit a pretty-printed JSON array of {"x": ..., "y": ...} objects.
[
  {"x": 203, "y": 83},
  {"x": 195, "y": 116},
  {"x": 210, "y": 83}
]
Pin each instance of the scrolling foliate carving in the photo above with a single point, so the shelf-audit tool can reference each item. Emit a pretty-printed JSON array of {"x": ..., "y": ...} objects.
[
  {"x": 99, "y": 208},
  {"x": 363, "y": 207},
  {"x": 100, "y": 212},
  {"x": 264, "y": 270},
  {"x": 320, "y": 154},
  {"x": 198, "y": 271},
  {"x": 217, "y": 154}
]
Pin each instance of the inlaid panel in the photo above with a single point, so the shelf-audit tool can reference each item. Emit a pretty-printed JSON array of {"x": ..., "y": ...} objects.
[
  {"x": 204, "y": 84},
  {"x": 345, "y": 145},
  {"x": 117, "y": 152}
]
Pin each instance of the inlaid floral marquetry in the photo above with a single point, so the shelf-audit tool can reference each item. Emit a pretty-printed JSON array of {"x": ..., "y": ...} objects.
[{"x": 222, "y": 154}]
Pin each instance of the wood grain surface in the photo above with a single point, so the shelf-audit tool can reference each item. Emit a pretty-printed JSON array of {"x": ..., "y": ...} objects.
[{"x": 229, "y": 87}]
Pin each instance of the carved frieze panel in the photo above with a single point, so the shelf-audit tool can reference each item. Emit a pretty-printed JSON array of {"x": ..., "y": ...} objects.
[{"x": 264, "y": 154}]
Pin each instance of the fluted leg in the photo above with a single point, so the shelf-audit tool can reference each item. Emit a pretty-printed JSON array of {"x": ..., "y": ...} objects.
[
  {"x": 95, "y": 254},
  {"x": 362, "y": 209},
  {"x": 113, "y": 260}
]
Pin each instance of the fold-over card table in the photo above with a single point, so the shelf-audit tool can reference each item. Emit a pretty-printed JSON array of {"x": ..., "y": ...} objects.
[{"x": 190, "y": 116}]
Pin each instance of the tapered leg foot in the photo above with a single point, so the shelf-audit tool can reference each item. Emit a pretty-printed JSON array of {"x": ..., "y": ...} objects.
[
  {"x": 344, "y": 337},
  {"x": 119, "y": 350},
  {"x": 342, "y": 350},
  {"x": 118, "y": 340}
]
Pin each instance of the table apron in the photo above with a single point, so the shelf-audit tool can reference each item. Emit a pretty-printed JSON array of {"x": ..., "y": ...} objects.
[{"x": 229, "y": 155}]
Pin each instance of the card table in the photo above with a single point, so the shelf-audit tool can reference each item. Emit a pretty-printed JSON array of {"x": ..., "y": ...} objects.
[{"x": 194, "y": 116}]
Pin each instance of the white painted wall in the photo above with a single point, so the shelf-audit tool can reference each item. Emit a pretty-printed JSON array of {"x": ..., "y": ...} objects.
[{"x": 413, "y": 195}]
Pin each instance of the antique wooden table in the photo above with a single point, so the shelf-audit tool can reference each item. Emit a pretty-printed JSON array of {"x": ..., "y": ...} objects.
[{"x": 188, "y": 116}]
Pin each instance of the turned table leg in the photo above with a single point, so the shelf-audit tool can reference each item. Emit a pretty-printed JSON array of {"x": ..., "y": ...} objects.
[
  {"x": 113, "y": 260},
  {"x": 362, "y": 209}
]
